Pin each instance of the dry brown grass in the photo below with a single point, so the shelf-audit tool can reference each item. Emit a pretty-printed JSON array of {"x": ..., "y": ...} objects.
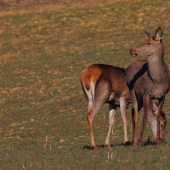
[{"x": 17, "y": 7}]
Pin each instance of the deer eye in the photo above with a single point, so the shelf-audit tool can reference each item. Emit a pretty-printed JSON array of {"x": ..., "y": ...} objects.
[{"x": 148, "y": 43}]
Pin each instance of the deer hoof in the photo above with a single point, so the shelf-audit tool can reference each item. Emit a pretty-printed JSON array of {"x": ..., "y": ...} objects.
[
  {"x": 135, "y": 142},
  {"x": 94, "y": 147},
  {"x": 158, "y": 142},
  {"x": 132, "y": 142},
  {"x": 106, "y": 145},
  {"x": 139, "y": 142}
]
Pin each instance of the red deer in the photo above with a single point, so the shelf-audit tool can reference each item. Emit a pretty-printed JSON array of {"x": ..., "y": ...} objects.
[
  {"x": 148, "y": 80},
  {"x": 107, "y": 84}
]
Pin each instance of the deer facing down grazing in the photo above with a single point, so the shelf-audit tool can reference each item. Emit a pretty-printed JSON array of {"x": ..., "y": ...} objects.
[
  {"x": 107, "y": 84},
  {"x": 148, "y": 80}
]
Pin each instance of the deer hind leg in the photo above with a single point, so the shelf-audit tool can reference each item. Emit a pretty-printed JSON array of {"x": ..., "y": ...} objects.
[
  {"x": 101, "y": 95},
  {"x": 90, "y": 103},
  {"x": 124, "y": 118},
  {"x": 159, "y": 115},
  {"x": 146, "y": 112},
  {"x": 135, "y": 116},
  {"x": 112, "y": 111}
]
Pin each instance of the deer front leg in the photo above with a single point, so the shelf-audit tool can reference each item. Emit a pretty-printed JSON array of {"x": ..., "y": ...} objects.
[
  {"x": 112, "y": 111},
  {"x": 133, "y": 124},
  {"x": 160, "y": 105},
  {"x": 134, "y": 118},
  {"x": 146, "y": 110},
  {"x": 124, "y": 117}
]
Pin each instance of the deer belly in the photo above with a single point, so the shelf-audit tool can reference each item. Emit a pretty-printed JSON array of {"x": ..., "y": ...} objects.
[
  {"x": 159, "y": 92},
  {"x": 114, "y": 99},
  {"x": 111, "y": 97}
]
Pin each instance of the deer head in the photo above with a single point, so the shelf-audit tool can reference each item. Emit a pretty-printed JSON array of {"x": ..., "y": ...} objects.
[
  {"x": 151, "y": 46},
  {"x": 152, "y": 118}
]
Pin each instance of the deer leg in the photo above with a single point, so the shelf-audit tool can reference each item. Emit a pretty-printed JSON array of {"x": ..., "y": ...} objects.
[
  {"x": 101, "y": 95},
  {"x": 90, "y": 118},
  {"x": 90, "y": 104},
  {"x": 135, "y": 116},
  {"x": 146, "y": 110},
  {"x": 160, "y": 105},
  {"x": 133, "y": 124},
  {"x": 89, "y": 98},
  {"x": 124, "y": 117},
  {"x": 112, "y": 111}
]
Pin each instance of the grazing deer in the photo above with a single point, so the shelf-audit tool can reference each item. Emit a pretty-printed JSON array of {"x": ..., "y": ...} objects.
[
  {"x": 148, "y": 80},
  {"x": 107, "y": 84}
]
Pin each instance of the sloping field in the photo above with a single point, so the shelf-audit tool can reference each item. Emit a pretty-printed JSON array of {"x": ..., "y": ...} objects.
[{"x": 43, "y": 52}]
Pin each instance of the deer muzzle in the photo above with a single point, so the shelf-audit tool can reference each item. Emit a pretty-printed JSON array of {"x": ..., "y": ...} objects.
[{"x": 133, "y": 52}]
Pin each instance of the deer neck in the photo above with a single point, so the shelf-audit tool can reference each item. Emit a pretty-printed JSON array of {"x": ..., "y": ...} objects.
[{"x": 157, "y": 67}]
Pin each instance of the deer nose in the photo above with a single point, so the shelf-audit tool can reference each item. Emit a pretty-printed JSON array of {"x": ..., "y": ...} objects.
[
  {"x": 131, "y": 50},
  {"x": 162, "y": 125}
]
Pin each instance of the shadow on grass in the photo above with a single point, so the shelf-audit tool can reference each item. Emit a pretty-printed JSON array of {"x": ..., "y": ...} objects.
[
  {"x": 146, "y": 143},
  {"x": 149, "y": 142},
  {"x": 104, "y": 146}
]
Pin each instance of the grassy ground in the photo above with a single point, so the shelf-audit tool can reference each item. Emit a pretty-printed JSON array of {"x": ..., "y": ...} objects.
[{"x": 43, "y": 111}]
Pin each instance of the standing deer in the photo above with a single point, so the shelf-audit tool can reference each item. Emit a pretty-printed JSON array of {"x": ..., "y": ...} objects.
[
  {"x": 107, "y": 84},
  {"x": 148, "y": 80}
]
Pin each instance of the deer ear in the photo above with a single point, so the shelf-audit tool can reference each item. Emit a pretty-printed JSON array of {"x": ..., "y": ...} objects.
[
  {"x": 148, "y": 34},
  {"x": 159, "y": 34}
]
